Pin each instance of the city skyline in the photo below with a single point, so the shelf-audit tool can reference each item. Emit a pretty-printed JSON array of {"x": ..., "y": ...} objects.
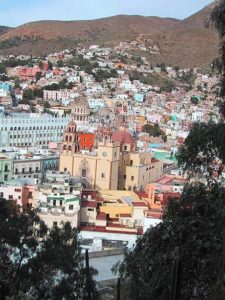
[{"x": 15, "y": 13}]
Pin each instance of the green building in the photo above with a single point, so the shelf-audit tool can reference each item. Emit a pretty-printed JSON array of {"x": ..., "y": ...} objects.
[{"x": 6, "y": 168}]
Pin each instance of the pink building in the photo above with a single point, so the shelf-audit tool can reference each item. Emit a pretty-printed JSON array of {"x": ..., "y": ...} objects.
[{"x": 25, "y": 73}]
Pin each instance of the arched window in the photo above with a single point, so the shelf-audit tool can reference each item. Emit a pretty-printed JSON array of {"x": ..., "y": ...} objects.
[
  {"x": 84, "y": 173},
  {"x": 70, "y": 139},
  {"x": 78, "y": 110},
  {"x": 64, "y": 147},
  {"x": 70, "y": 148},
  {"x": 66, "y": 138},
  {"x": 69, "y": 129}
]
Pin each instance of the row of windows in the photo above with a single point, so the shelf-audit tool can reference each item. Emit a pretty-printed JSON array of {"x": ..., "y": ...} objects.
[
  {"x": 37, "y": 135},
  {"x": 35, "y": 128},
  {"x": 28, "y": 144},
  {"x": 78, "y": 110}
]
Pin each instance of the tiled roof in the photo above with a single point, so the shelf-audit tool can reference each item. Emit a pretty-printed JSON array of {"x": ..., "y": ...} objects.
[
  {"x": 125, "y": 216},
  {"x": 88, "y": 204},
  {"x": 139, "y": 204},
  {"x": 101, "y": 216},
  {"x": 122, "y": 137}
]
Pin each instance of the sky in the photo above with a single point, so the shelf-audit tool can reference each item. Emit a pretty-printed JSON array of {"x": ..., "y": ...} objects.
[{"x": 17, "y": 12}]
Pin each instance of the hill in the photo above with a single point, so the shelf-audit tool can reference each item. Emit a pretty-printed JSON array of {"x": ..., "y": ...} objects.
[
  {"x": 4, "y": 29},
  {"x": 185, "y": 43},
  {"x": 191, "y": 40}
]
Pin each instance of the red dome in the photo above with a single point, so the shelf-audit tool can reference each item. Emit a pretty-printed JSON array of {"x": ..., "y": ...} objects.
[{"x": 122, "y": 137}]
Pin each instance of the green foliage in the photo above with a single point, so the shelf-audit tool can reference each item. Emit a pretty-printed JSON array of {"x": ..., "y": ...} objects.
[
  {"x": 162, "y": 66},
  {"x": 12, "y": 62},
  {"x": 84, "y": 64},
  {"x": 39, "y": 263},
  {"x": 194, "y": 100},
  {"x": 193, "y": 229},
  {"x": 46, "y": 104},
  {"x": 188, "y": 77},
  {"x": 63, "y": 84},
  {"x": 153, "y": 130},
  {"x": 218, "y": 19},
  {"x": 17, "y": 82},
  {"x": 101, "y": 75},
  {"x": 204, "y": 144},
  {"x": 60, "y": 64},
  {"x": 38, "y": 76},
  {"x": 167, "y": 87},
  {"x": 28, "y": 95},
  {"x": 3, "y": 77}
]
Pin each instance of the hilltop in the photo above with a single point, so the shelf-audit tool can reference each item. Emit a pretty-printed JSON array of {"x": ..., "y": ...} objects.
[{"x": 187, "y": 43}]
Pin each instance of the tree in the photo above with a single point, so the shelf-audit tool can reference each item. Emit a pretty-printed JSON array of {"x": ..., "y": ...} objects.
[
  {"x": 153, "y": 130},
  {"x": 59, "y": 63},
  {"x": 218, "y": 19},
  {"x": 185, "y": 254},
  {"x": 17, "y": 82},
  {"x": 40, "y": 64},
  {"x": 194, "y": 100},
  {"x": 46, "y": 104},
  {"x": 204, "y": 149},
  {"x": 193, "y": 230},
  {"x": 41, "y": 263},
  {"x": 38, "y": 76},
  {"x": 50, "y": 66},
  {"x": 28, "y": 94}
]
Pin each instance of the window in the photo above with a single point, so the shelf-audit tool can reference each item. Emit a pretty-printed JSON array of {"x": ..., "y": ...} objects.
[
  {"x": 54, "y": 223},
  {"x": 131, "y": 162},
  {"x": 54, "y": 202},
  {"x": 90, "y": 209},
  {"x": 5, "y": 177},
  {"x": 65, "y": 169},
  {"x": 125, "y": 148},
  {"x": 132, "y": 178},
  {"x": 70, "y": 207},
  {"x": 1, "y": 194},
  {"x": 60, "y": 202},
  {"x": 124, "y": 176},
  {"x": 103, "y": 175},
  {"x": 10, "y": 197},
  {"x": 84, "y": 173},
  {"x": 30, "y": 195}
]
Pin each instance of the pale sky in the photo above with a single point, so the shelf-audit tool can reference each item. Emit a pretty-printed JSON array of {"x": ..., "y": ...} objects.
[{"x": 18, "y": 12}]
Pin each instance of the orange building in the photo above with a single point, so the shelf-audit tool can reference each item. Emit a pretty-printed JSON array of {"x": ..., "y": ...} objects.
[{"x": 87, "y": 141}]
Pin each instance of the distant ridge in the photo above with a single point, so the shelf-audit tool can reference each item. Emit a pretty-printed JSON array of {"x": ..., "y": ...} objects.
[
  {"x": 4, "y": 29},
  {"x": 185, "y": 43}
]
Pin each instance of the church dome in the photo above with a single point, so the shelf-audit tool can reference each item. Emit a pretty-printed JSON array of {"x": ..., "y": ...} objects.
[{"x": 122, "y": 137}]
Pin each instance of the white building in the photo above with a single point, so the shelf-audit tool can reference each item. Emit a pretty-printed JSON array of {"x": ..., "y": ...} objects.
[
  {"x": 59, "y": 95},
  {"x": 22, "y": 129},
  {"x": 57, "y": 208}
]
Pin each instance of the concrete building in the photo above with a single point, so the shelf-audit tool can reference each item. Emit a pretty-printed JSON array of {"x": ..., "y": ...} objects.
[
  {"x": 21, "y": 194},
  {"x": 22, "y": 129},
  {"x": 80, "y": 111},
  {"x": 59, "y": 95},
  {"x": 6, "y": 168},
  {"x": 57, "y": 208},
  {"x": 98, "y": 168}
]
